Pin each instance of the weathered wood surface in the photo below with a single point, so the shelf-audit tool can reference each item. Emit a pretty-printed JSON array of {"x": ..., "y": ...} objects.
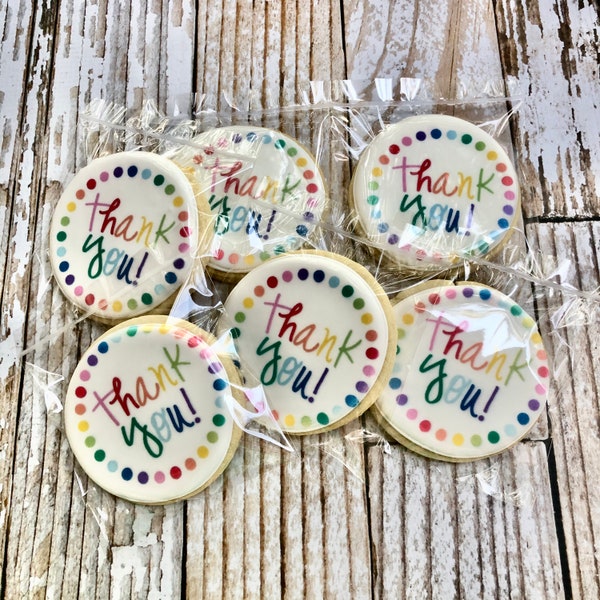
[{"x": 350, "y": 515}]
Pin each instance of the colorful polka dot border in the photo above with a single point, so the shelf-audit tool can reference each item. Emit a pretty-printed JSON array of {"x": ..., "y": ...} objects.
[
  {"x": 331, "y": 372},
  {"x": 265, "y": 192},
  {"x": 149, "y": 429},
  {"x": 457, "y": 389},
  {"x": 434, "y": 188},
  {"x": 123, "y": 234}
]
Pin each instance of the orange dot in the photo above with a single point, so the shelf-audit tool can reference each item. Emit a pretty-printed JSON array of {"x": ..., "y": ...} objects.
[
  {"x": 80, "y": 409},
  {"x": 190, "y": 464},
  {"x": 440, "y": 435}
]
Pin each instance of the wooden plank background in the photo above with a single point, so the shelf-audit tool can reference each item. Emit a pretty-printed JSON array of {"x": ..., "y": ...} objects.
[{"x": 350, "y": 515}]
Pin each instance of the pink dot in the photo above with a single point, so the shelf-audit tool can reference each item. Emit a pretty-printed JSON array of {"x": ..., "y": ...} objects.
[
  {"x": 369, "y": 371},
  {"x": 411, "y": 414},
  {"x": 312, "y": 202},
  {"x": 540, "y": 389},
  {"x": 78, "y": 290},
  {"x": 183, "y": 248},
  {"x": 84, "y": 375},
  {"x": 287, "y": 276},
  {"x": 102, "y": 304},
  {"x": 450, "y": 293},
  {"x": 509, "y": 195},
  {"x": 159, "y": 477},
  {"x": 406, "y": 141},
  {"x": 104, "y": 176}
]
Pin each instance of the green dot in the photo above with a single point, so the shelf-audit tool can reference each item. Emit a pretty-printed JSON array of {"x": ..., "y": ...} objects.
[
  {"x": 131, "y": 304},
  {"x": 347, "y": 291},
  {"x": 476, "y": 440},
  {"x": 292, "y": 151},
  {"x": 516, "y": 310},
  {"x": 169, "y": 189},
  {"x": 147, "y": 299},
  {"x": 493, "y": 437},
  {"x": 99, "y": 455},
  {"x": 159, "y": 180},
  {"x": 397, "y": 350},
  {"x": 358, "y": 303},
  {"x": 212, "y": 437},
  {"x": 306, "y": 421},
  {"x": 401, "y": 334},
  {"x": 65, "y": 221},
  {"x": 373, "y": 185},
  {"x": 61, "y": 236},
  {"x": 264, "y": 256},
  {"x": 240, "y": 317},
  {"x": 322, "y": 419},
  {"x": 480, "y": 146},
  {"x": 90, "y": 441},
  {"x": 131, "y": 331},
  {"x": 372, "y": 200},
  {"x": 218, "y": 420},
  {"x": 466, "y": 138}
]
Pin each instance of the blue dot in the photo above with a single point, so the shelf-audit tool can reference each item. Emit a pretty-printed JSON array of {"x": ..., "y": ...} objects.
[
  {"x": 170, "y": 277},
  {"x": 503, "y": 223},
  {"x": 523, "y": 418},
  {"x": 485, "y": 294},
  {"x": 267, "y": 139},
  {"x": 395, "y": 383},
  {"x": 382, "y": 227},
  {"x": 334, "y": 282},
  {"x": 251, "y": 136},
  {"x": 303, "y": 274},
  {"x": 126, "y": 473},
  {"x": 219, "y": 385},
  {"x": 351, "y": 400},
  {"x": 451, "y": 134},
  {"x": 319, "y": 275},
  {"x": 103, "y": 347},
  {"x": 421, "y": 135},
  {"x": 132, "y": 171},
  {"x": 63, "y": 266},
  {"x": 302, "y": 230},
  {"x": 237, "y": 138},
  {"x": 112, "y": 466},
  {"x": 436, "y": 134},
  {"x": 61, "y": 251}
]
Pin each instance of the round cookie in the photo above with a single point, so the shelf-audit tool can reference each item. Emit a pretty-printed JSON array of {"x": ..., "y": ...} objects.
[
  {"x": 146, "y": 411},
  {"x": 264, "y": 189},
  {"x": 471, "y": 374},
  {"x": 124, "y": 235},
  {"x": 316, "y": 329},
  {"x": 432, "y": 190}
]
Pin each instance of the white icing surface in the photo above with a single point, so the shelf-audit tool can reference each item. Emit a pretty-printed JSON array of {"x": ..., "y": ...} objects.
[
  {"x": 264, "y": 190},
  {"x": 432, "y": 189},
  {"x": 123, "y": 234},
  {"x": 471, "y": 374},
  {"x": 315, "y": 333},
  {"x": 146, "y": 411}
]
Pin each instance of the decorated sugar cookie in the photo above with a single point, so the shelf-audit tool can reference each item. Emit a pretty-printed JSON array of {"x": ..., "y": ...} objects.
[
  {"x": 264, "y": 189},
  {"x": 471, "y": 374},
  {"x": 314, "y": 328},
  {"x": 433, "y": 189},
  {"x": 146, "y": 411},
  {"x": 124, "y": 234}
]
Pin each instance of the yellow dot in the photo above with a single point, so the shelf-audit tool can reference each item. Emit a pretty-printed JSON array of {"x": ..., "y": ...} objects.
[
  {"x": 301, "y": 162},
  {"x": 536, "y": 338},
  {"x": 164, "y": 328},
  {"x": 71, "y": 206},
  {"x": 367, "y": 318},
  {"x": 458, "y": 439},
  {"x": 117, "y": 306},
  {"x": 408, "y": 319},
  {"x": 492, "y": 155},
  {"x": 83, "y": 426},
  {"x": 147, "y": 328},
  {"x": 528, "y": 322},
  {"x": 248, "y": 303},
  {"x": 177, "y": 201},
  {"x": 289, "y": 420},
  {"x": 377, "y": 172},
  {"x": 249, "y": 259},
  {"x": 202, "y": 451}
]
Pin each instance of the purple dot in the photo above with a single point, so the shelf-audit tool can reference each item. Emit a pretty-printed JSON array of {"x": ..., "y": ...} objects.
[
  {"x": 534, "y": 404},
  {"x": 179, "y": 263},
  {"x": 214, "y": 367},
  {"x": 92, "y": 360},
  {"x": 362, "y": 387},
  {"x": 508, "y": 209},
  {"x": 421, "y": 135},
  {"x": 393, "y": 239},
  {"x": 70, "y": 279},
  {"x": 467, "y": 292},
  {"x": 118, "y": 172},
  {"x": 303, "y": 274},
  {"x": 143, "y": 477},
  {"x": 401, "y": 400}
]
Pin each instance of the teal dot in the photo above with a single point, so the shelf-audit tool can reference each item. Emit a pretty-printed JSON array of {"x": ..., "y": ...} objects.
[
  {"x": 466, "y": 139},
  {"x": 334, "y": 282},
  {"x": 146, "y": 174},
  {"x": 131, "y": 331},
  {"x": 147, "y": 299},
  {"x": 99, "y": 455},
  {"x": 372, "y": 200},
  {"x": 159, "y": 180},
  {"x": 235, "y": 333},
  {"x": 493, "y": 437},
  {"x": 347, "y": 291},
  {"x": 279, "y": 144},
  {"x": 322, "y": 419},
  {"x": 61, "y": 236},
  {"x": 218, "y": 420},
  {"x": 516, "y": 310},
  {"x": 351, "y": 400}
]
